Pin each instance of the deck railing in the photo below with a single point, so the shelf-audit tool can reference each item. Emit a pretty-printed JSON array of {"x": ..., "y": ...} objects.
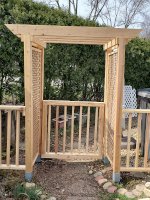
[
  {"x": 133, "y": 157},
  {"x": 72, "y": 129},
  {"x": 11, "y": 118}
]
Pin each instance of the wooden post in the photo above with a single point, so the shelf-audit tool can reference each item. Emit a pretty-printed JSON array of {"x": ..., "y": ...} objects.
[
  {"x": 41, "y": 108},
  {"x": 28, "y": 107},
  {"x": 106, "y": 89},
  {"x": 0, "y": 137},
  {"x": 118, "y": 109}
]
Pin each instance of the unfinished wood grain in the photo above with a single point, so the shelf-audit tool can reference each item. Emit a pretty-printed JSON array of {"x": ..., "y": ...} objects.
[
  {"x": 17, "y": 137},
  {"x": 8, "y": 138},
  {"x": 138, "y": 140},
  {"x": 0, "y": 137},
  {"x": 28, "y": 103},
  {"x": 64, "y": 134},
  {"x": 147, "y": 136},
  {"x": 134, "y": 169},
  {"x": 49, "y": 130},
  {"x": 118, "y": 102},
  {"x": 88, "y": 129},
  {"x": 56, "y": 129},
  {"x": 111, "y": 43},
  {"x": 80, "y": 128},
  {"x": 11, "y": 107},
  {"x": 12, "y": 167},
  {"x": 129, "y": 140},
  {"x": 142, "y": 111},
  {"x": 41, "y": 98},
  {"x": 71, "y": 31},
  {"x": 101, "y": 131},
  {"x": 44, "y": 128},
  {"x": 69, "y": 155},
  {"x": 72, "y": 128},
  {"x": 95, "y": 129},
  {"x": 73, "y": 103}
]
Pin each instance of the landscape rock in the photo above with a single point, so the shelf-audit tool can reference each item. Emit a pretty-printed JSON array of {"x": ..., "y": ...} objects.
[
  {"x": 107, "y": 185},
  {"x": 103, "y": 171},
  {"x": 90, "y": 172},
  {"x": 97, "y": 174},
  {"x": 140, "y": 187},
  {"x": 112, "y": 189},
  {"x": 102, "y": 181},
  {"x": 121, "y": 191},
  {"x": 43, "y": 197},
  {"x": 52, "y": 198},
  {"x": 29, "y": 185},
  {"x": 137, "y": 193},
  {"x": 147, "y": 184},
  {"x": 147, "y": 192},
  {"x": 130, "y": 195},
  {"x": 98, "y": 178}
]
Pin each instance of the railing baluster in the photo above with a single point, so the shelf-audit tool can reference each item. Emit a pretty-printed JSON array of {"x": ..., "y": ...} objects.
[
  {"x": 56, "y": 129},
  {"x": 0, "y": 137},
  {"x": 80, "y": 128},
  {"x": 8, "y": 137},
  {"x": 72, "y": 128},
  {"x": 137, "y": 140},
  {"x": 49, "y": 130},
  {"x": 17, "y": 136},
  {"x": 88, "y": 128},
  {"x": 101, "y": 130},
  {"x": 147, "y": 140},
  {"x": 129, "y": 138},
  {"x": 64, "y": 134},
  {"x": 95, "y": 130}
]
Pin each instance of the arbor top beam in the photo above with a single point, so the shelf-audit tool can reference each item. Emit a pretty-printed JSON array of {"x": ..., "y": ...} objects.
[{"x": 74, "y": 34}]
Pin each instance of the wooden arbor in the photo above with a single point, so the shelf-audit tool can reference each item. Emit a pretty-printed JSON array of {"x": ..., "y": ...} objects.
[{"x": 35, "y": 38}]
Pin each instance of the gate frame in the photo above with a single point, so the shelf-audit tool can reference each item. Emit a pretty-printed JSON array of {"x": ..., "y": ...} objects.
[{"x": 111, "y": 38}]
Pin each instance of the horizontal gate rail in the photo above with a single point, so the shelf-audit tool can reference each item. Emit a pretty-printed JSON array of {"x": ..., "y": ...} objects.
[
  {"x": 67, "y": 123},
  {"x": 10, "y": 123},
  {"x": 73, "y": 103},
  {"x": 134, "y": 158}
]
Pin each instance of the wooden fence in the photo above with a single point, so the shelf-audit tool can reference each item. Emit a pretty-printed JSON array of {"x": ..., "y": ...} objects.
[
  {"x": 11, "y": 116},
  {"x": 133, "y": 159},
  {"x": 72, "y": 129}
]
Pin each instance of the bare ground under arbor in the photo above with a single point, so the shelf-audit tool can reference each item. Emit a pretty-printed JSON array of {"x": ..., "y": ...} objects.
[{"x": 67, "y": 181}]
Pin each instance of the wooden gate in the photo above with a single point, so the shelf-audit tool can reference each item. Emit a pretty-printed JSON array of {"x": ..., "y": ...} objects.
[{"x": 73, "y": 130}]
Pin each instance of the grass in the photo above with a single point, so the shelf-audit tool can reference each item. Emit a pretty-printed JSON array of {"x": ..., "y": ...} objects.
[
  {"x": 21, "y": 192},
  {"x": 108, "y": 196}
]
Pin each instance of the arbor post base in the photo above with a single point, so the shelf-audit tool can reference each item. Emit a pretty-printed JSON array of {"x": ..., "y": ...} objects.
[
  {"x": 28, "y": 176},
  {"x": 116, "y": 177}
]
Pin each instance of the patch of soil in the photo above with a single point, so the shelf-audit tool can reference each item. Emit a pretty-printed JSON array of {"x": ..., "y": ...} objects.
[
  {"x": 8, "y": 181},
  {"x": 68, "y": 180}
]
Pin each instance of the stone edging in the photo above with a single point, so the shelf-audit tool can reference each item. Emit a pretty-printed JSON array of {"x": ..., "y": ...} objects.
[{"x": 139, "y": 191}]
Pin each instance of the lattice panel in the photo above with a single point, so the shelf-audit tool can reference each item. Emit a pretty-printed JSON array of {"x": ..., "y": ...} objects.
[
  {"x": 129, "y": 99},
  {"x": 111, "y": 105},
  {"x": 36, "y": 92}
]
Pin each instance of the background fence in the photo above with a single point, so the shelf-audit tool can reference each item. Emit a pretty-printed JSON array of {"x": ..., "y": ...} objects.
[{"x": 12, "y": 138}]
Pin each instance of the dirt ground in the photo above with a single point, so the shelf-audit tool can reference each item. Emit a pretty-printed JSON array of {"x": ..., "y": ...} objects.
[{"x": 68, "y": 181}]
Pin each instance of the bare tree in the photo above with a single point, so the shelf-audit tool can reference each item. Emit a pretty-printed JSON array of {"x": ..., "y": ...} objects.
[
  {"x": 146, "y": 26},
  {"x": 117, "y": 12},
  {"x": 96, "y": 7},
  {"x": 73, "y": 6},
  {"x": 53, "y": 3}
]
